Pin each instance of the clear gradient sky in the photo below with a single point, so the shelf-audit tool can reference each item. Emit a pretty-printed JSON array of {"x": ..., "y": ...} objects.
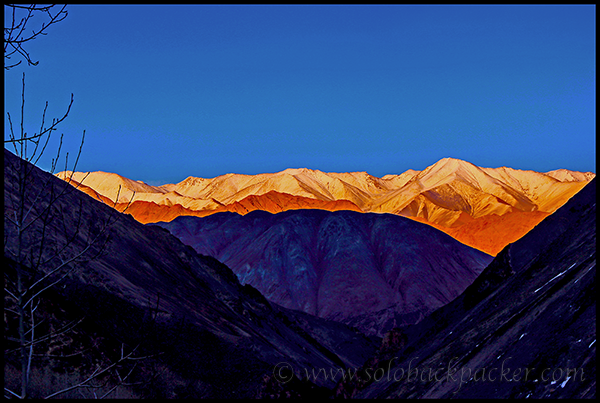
[{"x": 166, "y": 92}]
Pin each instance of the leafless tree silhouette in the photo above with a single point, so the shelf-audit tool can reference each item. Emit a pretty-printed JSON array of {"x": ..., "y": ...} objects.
[{"x": 45, "y": 240}]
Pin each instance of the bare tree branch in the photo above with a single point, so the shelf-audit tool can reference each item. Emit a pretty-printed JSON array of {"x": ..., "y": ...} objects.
[
  {"x": 43, "y": 131},
  {"x": 12, "y": 393},
  {"x": 97, "y": 373},
  {"x": 14, "y": 35}
]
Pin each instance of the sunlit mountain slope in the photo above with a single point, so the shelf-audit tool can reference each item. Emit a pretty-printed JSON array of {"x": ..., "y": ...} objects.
[{"x": 486, "y": 208}]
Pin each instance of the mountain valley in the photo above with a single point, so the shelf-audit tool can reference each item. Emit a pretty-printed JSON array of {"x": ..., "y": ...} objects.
[
  {"x": 392, "y": 293},
  {"x": 129, "y": 284}
]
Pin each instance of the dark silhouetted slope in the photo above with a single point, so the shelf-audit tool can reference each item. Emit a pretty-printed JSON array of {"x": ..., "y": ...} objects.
[
  {"x": 373, "y": 271},
  {"x": 525, "y": 328},
  {"x": 213, "y": 337}
]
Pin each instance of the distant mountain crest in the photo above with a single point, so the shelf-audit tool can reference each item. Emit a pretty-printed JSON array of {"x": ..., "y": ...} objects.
[
  {"x": 448, "y": 194},
  {"x": 564, "y": 175}
]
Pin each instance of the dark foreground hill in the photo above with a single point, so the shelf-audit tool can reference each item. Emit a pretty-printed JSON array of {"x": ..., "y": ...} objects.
[
  {"x": 372, "y": 271},
  {"x": 526, "y": 328},
  {"x": 203, "y": 333}
]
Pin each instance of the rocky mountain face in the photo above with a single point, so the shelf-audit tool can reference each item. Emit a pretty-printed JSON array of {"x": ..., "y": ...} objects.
[
  {"x": 372, "y": 271},
  {"x": 206, "y": 335},
  {"x": 457, "y": 197},
  {"x": 525, "y": 328}
]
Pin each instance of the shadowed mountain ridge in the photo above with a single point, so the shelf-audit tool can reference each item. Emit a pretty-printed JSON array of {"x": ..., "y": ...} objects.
[{"x": 373, "y": 271}]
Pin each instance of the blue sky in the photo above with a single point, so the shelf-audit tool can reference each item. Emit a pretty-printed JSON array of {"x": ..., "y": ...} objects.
[{"x": 166, "y": 92}]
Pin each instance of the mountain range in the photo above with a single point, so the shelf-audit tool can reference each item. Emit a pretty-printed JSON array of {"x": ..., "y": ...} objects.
[
  {"x": 201, "y": 333},
  {"x": 486, "y": 208}
]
